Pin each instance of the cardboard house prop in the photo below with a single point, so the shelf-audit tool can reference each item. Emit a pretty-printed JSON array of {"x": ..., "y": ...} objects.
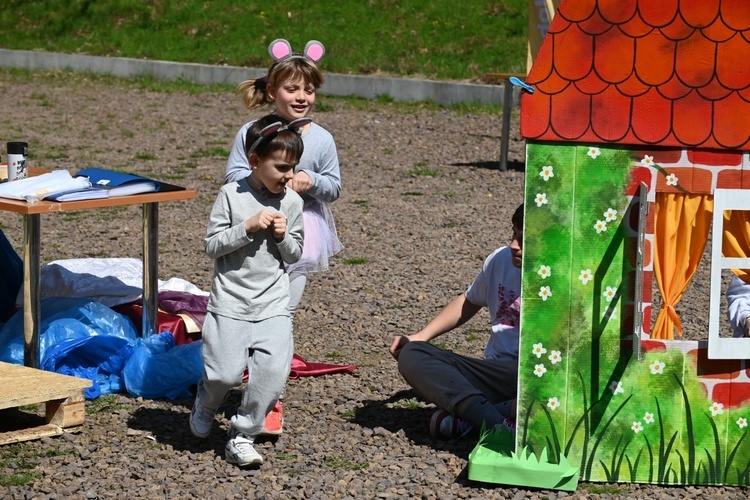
[{"x": 637, "y": 135}]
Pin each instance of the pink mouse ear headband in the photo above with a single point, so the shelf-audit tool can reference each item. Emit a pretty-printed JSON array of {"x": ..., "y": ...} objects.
[{"x": 280, "y": 50}]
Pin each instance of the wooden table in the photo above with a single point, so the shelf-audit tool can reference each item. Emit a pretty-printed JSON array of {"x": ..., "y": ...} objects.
[{"x": 31, "y": 244}]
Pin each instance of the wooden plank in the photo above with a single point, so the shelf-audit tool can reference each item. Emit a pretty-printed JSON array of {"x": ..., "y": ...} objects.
[
  {"x": 38, "y": 432},
  {"x": 62, "y": 395},
  {"x": 66, "y": 413},
  {"x": 21, "y": 385}
]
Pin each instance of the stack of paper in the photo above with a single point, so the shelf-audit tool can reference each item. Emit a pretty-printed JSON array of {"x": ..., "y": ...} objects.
[
  {"x": 37, "y": 187},
  {"x": 107, "y": 183}
]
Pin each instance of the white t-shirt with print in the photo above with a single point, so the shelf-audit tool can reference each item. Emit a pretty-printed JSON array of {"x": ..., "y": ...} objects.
[{"x": 498, "y": 287}]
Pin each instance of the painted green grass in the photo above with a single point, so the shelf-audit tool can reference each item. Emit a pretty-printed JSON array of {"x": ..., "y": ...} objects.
[
  {"x": 406, "y": 37},
  {"x": 620, "y": 418}
]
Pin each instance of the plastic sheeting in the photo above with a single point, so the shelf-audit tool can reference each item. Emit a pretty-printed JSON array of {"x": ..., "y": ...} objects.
[{"x": 86, "y": 339}]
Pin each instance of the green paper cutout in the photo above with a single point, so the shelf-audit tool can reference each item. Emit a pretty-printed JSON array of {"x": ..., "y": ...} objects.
[{"x": 493, "y": 460}]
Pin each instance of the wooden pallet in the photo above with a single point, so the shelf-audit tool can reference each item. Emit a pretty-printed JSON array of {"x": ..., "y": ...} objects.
[{"x": 62, "y": 395}]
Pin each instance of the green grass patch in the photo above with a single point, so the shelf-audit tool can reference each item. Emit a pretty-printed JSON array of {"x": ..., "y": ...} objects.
[
  {"x": 104, "y": 404},
  {"x": 421, "y": 171},
  {"x": 405, "y": 38},
  {"x": 348, "y": 415},
  {"x": 343, "y": 463},
  {"x": 411, "y": 405},
  {"x": 356, "y": 261},
  {"x": 22, "y": 460},
  {"x": 602, "y": 489}
]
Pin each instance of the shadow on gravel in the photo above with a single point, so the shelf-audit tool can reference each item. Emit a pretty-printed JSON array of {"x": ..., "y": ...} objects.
[
  {"x": 516, "y": 165},
  {"x": 413, "y": 422},
  {"x": 170, "y": 426}
]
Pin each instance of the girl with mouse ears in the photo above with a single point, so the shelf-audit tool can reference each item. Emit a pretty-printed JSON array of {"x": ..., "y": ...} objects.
[{"x": 289, "y": 90}]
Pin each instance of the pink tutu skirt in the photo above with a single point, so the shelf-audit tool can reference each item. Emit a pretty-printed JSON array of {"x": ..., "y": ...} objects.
[{"x": 321, "y": 241}]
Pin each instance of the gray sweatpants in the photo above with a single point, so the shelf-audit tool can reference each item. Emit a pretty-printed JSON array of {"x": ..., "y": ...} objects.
[
  {"x": 445, "y": 378},
  {"x": 265, "y": 348}
]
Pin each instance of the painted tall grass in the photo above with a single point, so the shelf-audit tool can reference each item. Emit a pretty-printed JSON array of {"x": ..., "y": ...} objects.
[{"x": 659, "y": 462}]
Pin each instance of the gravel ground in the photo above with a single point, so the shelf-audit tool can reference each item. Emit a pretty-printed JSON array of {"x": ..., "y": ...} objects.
[{"x": 421, "y": 205}]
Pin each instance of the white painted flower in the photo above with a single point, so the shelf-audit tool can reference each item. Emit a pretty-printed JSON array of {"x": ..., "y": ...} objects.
[
  {"x": 545, "y": 293},
  {"x": 539, "y": 350},
  {"x": 610, "y": 214},
  {"x": 609, "y": 313},
  {"x": 593, "y": 152},
  {"x": 657, "y": 367},
  {"x": 742, "y": 422},
  {"x": 716, "y": 408},
  {"x": 647, "y": 161},
  {"x": 546, "y": 172},
  {"x": 672, "y": 180},
  {"x": 541, "y": 199},
  {"x": 609, "y": 293},
  {"x": 648, "y": 418},
  {"x": 544, "y": 271},
  {"x": 553, "y": 403},
  {"x": 616, "y": 387},
  {"x": 637, "y": 427},
  {"x": 555, "y": 357},
  {"x": 539, "y": 370},
  {"x": 600, "y": 226},
  {"x": 585, "y": 276}
]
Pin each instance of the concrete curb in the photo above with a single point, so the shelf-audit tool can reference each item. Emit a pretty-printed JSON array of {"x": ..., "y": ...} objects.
[{"x": 399, "y": 89}]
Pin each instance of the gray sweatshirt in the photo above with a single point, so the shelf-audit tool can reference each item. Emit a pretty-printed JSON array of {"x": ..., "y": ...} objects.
[{"x": 249, "y": 281}]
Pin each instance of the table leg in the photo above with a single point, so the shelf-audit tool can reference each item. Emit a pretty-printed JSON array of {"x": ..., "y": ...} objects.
[
  {"x": 507, "y": 105},
  {"x": 31, "y": 312},
  {"x": 150, "y": 267}
]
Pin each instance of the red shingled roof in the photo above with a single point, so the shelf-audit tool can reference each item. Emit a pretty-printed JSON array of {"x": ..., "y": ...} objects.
[{"x": 658, "y": 72}]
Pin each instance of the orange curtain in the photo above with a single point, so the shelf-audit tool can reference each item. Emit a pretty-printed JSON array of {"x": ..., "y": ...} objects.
[
  {"x": 737, "y": 238},
  {"x": 681, "y": 225}
]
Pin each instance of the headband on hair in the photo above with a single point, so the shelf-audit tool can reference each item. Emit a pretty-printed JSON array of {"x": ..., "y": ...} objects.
[
  {"x": 280, "y": 50},
  {"x": 276, "y": 127}
]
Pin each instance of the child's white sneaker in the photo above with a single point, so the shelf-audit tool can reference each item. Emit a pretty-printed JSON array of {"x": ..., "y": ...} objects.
[
  {"x": 201, "y": 418},
  {"x": 239, "y": 450}
]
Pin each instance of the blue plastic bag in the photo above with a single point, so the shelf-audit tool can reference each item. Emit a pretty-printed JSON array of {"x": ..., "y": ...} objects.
[
  {"x": 99, "y": 358},
  {"x": 64, "y": 318},
  {"x": 157, "y": 368},
  {"x": 78, "y": 337}
]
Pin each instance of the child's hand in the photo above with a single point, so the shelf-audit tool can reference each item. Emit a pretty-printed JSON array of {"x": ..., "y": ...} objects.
[
  {"x": 260, "y": 221},
  {"x": 301, "y": 182},
  {"x": 279, "y": 226},
  {"x": 398, "y": 343}
]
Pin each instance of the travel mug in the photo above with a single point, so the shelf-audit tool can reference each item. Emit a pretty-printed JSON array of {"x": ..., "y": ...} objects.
[{"x": 18, "y": 153}]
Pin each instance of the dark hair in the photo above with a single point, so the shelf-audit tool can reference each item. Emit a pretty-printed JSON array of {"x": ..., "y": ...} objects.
[
  {"x": 255, "y": 92},
  {"x": 287, "y": 140},
  {"x": 517, "y": 218}
]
